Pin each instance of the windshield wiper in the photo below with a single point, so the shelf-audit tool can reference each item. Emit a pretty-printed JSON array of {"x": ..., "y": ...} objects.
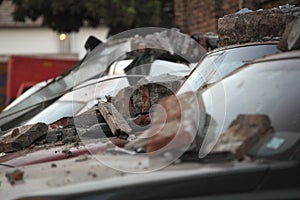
[{"x": 193, "y": 156}]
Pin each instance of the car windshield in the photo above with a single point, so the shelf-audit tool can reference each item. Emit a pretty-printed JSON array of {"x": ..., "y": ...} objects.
[
  {"x": 267, "y": 88},
  {"x": 217, "y": 65},
  {"x": 56, "y": 111}
]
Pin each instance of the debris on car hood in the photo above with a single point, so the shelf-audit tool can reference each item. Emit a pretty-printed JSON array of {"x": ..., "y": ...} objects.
[
  {"x": 174, "y": 124},
  {"x": 99, "y": 122},
  {"x": 117, "y": 124},
  {"x": 20, "y": 138}
]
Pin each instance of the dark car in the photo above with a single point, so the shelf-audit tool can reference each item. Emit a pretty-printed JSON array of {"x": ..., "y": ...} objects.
[{"x": 269, "y": 169}]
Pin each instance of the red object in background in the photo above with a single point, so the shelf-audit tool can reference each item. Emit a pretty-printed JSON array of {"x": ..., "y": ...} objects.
[{"x": 24, "y": 72}]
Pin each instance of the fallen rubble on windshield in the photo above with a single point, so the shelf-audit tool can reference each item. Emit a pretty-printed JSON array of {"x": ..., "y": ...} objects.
[
  {"x": 242, "y": 134},
  {"x": 174, "y": 124}
]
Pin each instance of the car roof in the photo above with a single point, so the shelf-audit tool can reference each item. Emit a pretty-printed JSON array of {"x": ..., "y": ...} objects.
[
  {"x": 280, "y": 56},
  {"x": 242, "y": 45}
]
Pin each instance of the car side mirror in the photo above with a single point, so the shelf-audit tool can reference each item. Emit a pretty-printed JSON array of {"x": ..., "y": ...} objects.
[{"x": 91, "y": 43}]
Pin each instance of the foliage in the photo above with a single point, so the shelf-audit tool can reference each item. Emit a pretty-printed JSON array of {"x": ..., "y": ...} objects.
[{"x": 118, "y": 15}]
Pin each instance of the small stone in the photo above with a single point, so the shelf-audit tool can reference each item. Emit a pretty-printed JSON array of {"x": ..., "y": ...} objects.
[{"x": 15, "y": 176}]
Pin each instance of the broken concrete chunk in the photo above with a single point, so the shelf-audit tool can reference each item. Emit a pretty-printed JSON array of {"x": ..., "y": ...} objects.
[
  {"x": 242, "y": 134},
  {"x": 88, "y": 118},
  {"x": 96, "y": 131},
  {"x": 69, "y": 135},
  {"x": 117, "y": 124},
  {"x": 174, "y": 125},
  {"x": 135, "y": 100},
  {"x": 52, "y": 136},
  {"x": 26, "y": 135}
]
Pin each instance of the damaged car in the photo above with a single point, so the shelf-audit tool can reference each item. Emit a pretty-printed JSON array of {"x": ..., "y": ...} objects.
[
  {"x": 97, "y": 64},
  {"x": 237, "y": 138}
]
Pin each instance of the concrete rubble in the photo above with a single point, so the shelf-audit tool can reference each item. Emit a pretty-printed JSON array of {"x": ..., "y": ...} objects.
[
  {"x": 102, "y": 121},
  {"x": 257, "y": 26},
  {"x": 174, "y": 124},
  {"x": 22, "y": 137},
  {"x": 117, "y": 124},
  {"x": 136, "y": 100}
]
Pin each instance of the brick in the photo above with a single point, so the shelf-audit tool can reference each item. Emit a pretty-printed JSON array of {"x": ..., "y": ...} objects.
[
  {"x": 176, "y": 128},
  {"x": 117, "y": 124},
  {"x": 137, "y": 100},
  {"x": 242, "y": 134},
  {"x": 26, "y": 135}
]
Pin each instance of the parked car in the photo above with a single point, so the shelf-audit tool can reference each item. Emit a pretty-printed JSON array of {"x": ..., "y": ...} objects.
[
  {"x": 270, "y": 170},
  {"x": 97, "y": 64}
]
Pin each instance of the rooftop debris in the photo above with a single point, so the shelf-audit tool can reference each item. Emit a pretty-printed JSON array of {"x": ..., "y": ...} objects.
[
  {"x": 14, "y": 176},
  {"x": 257, "y": 26},
  {"x": 242, "y": 134}
]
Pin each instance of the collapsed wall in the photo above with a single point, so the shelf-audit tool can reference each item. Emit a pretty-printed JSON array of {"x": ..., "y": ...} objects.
[{"x": 257, "y": 26}]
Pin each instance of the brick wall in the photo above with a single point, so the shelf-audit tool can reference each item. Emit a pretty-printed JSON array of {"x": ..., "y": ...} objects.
[{"x": 202, "y": 15}]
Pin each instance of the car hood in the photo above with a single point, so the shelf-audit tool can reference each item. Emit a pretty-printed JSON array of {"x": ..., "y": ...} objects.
[{"x": 100, "y": 173}]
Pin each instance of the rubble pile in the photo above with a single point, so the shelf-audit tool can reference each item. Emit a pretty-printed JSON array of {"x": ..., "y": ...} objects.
[
  {"x": 135, "y": 102},
  {"x": 102, "y": 121},
  {"x": 257, "y": 26},
  {"x": 174, "y": 124}
]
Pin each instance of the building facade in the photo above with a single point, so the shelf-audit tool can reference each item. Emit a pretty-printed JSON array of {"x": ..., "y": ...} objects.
[{"x": 194, "y": 16}]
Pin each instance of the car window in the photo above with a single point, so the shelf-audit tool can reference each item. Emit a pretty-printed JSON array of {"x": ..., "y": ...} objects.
[
  {"x": 217, "y": 65},
  {"x": 269, "y": 88}
]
